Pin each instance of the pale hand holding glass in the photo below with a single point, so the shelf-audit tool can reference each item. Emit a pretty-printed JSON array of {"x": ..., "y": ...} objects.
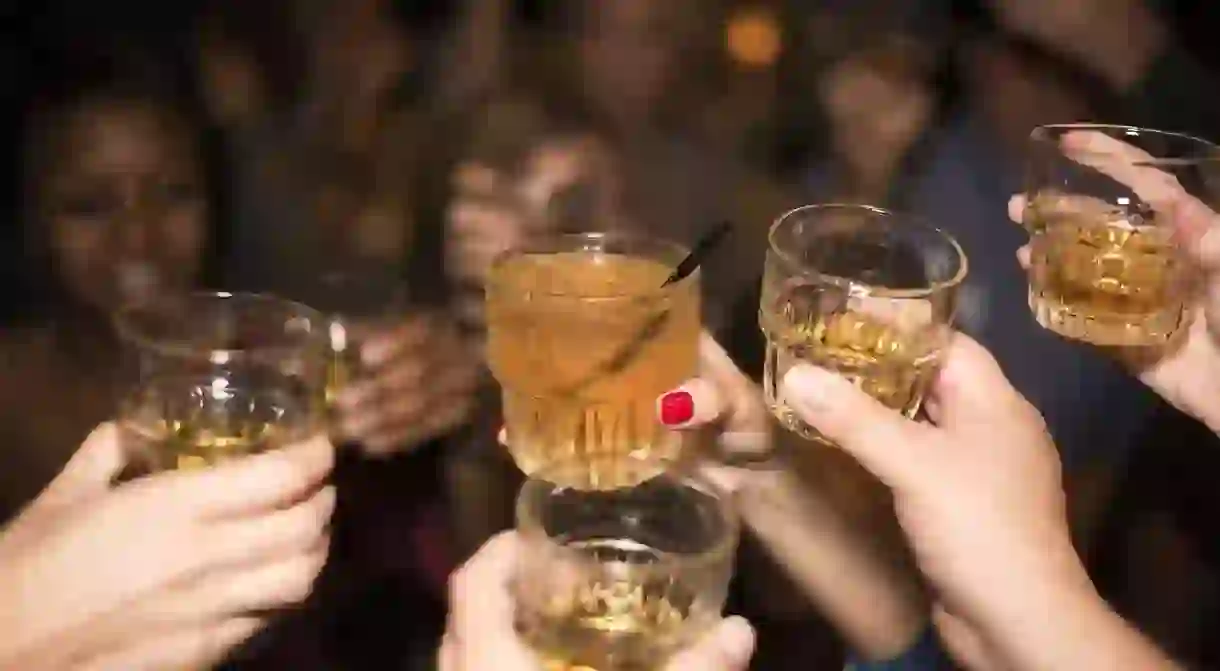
[
  {"x": 1105, "y": 265},
  {"x": 860, "y": 291},
  {"x": 622, "y": 579}
]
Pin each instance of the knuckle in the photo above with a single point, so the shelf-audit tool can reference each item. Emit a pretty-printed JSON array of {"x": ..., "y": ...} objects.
[
  {"x": 458, "y": 586},
  {"x": 297, "y": 582}
]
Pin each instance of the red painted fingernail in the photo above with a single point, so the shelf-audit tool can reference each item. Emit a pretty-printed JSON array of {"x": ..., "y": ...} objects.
[{"x": 677, "y": 407}]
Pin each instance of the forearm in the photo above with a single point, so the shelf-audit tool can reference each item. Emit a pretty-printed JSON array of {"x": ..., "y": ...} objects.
[
  {"x": 873, "y": 603},
  {"x": 1062, "y": 629}
]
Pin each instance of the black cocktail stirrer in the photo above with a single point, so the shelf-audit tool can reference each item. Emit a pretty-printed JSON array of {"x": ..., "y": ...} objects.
[{"x": 707, "y": 243}]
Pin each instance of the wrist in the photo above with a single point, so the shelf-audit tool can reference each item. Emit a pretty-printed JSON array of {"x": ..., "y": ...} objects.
[{"x": 1052, "y": 581}]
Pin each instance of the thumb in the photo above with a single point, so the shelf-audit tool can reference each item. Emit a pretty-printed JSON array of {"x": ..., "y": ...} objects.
[
  {"x": 728, "y": 647},
  {"x": 91, "y": 470},
  {"x": 876, "y": 436}
]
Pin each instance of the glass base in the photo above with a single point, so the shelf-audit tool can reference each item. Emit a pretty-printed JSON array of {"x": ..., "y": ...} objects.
[{"x": 1106, "y": 329}]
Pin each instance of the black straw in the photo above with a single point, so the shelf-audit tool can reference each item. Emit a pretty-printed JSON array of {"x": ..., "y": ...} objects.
[{"x": 706, "y": 245}]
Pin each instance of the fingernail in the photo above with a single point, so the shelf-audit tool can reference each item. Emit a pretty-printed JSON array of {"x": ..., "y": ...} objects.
[
  {"x": 676, "y": 407},
  {"x": 737, "y": 640},
  {"x": 808, "y": 387}
]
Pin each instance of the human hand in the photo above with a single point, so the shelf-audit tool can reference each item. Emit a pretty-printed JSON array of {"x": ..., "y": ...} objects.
[
  {"x": 484, "y": 221},
  {"x": 480, "y": 635},
  {"x": 1187, "y": 374},
  {"x": 165, "y": 572},
  {"x": 723, "y": 401},
  {"x": 978, "y": 491},
  {"x": 833, "y": 551},
  {"x": 420, "y": 385}
]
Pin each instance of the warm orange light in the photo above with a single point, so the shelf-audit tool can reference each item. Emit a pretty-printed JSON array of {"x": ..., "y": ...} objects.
[{"x": 752, "y": 38}]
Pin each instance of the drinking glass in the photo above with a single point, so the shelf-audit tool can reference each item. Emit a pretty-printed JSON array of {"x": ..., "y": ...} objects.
[
  {"x": 620, "y": 579},
  {"x": 220, "y": 375},
  {"x": 1104, "y": 266},
  {"x": 861, "y": 291},
  {"x": 582, "y": 337}
]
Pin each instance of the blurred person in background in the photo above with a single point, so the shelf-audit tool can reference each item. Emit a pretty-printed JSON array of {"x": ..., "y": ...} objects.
[
  {"x": 544, "y": 128},
  {"x": 1131, "y": 48},
  {"x": 877, "y": 74},
  {"x": 115, "y": 209},
  {"x": 952, "y": 161},
  {"x": 626, "y": 84},
  {"x": 337, "y": 165}
]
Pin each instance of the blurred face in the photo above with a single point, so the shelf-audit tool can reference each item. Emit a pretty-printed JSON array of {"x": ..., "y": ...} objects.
[
  {"x": 123, "y": 198},
  {"x": 628, "y": 54},
  {"x": 876, "y": 104}
]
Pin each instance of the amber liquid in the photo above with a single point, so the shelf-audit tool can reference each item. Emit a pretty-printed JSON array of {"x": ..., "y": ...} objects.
[
  {"x": 563, "y": 404},
  {"x": 614, "y": 625},
  {"x": 893, "y": 365},
  {"x": 1105, "y": 282},
  {"x": 189, "y": 424},
  {"x": 341, "y": 368}
]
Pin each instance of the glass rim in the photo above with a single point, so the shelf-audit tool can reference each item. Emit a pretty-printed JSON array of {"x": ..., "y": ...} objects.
[
  {"x": 179, "y": 347},
  {"x": 1050, "y": 134},
  {"x": 529, "y": 525},
  {"x": 855, "y": 286},
  {"x": 531, "y": 246}
]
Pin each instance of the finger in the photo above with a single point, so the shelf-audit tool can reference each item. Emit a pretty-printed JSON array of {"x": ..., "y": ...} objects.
[
  {"x": 1122, "y": 163},
  {"x": 1016, "y": 208},
  {"x": 447, "y": 655},
  {"x": 1023, "y": 256},
  {"x": 380, "y": 347},
  {"x": 92, "y": 469},
  {"x": 404, "y": 372},
  {"x": 423, "y": 404},
  {"x": 695, "y": 404},
  {"x": 282, "y": 582},
  {"x": 745, "y": 412},
  {"x": 1211, "y": 309},
  {"x": 970, "y": 384},
  {"x": 409, "y": 433},
  {"x": 223, "y": 593},
  {"x": 194, "y": 648},
  {"x": 964, "y": 643},
  {"x": 244, "y": 486},
  {"x": 479, "y": 221},
  {"x": 474, "y": 176},
  {"x": 872, "y": 433},
  {"x": 480, "y": 601},
  {"x": 281, "y": 532},
  {"x": 729, "y": 647},
  {"x": 1198, "y": 228}
]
